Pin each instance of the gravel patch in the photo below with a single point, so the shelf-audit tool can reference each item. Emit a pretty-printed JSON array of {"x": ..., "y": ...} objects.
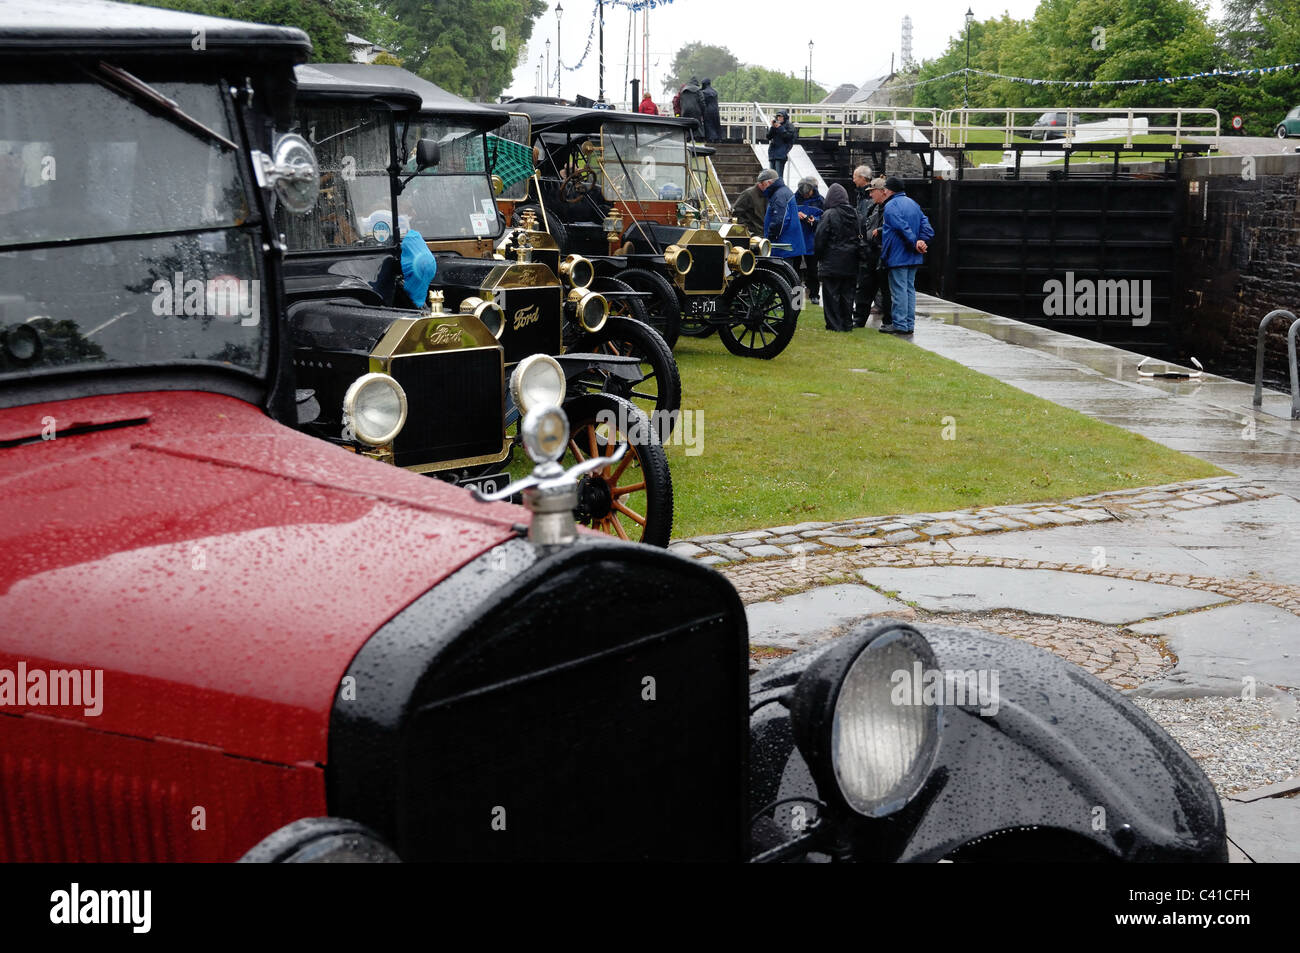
[{"x": 1240, "y": 745}]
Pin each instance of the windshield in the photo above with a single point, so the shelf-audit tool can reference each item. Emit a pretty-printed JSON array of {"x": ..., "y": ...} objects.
[
  {"x": 355, "y": 207},
  {"x": 652, "y": 166},
  {"x": 454, "y": 198},
  {"x": 124, "y": 240}
]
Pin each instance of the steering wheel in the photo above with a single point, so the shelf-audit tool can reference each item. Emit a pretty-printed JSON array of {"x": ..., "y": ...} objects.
[{"x": 578, "y": 183}]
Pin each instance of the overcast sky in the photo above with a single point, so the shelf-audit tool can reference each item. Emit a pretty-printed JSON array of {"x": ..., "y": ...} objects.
[{"x": 764, "y": 32}]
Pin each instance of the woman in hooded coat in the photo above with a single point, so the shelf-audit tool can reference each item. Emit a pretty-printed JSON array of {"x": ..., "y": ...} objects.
[{"x": 836, "y": 245}]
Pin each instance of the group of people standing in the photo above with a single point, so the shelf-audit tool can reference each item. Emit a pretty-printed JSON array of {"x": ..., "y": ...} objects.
[
  {"x": 851, "y": 252},
  {"x": 697, "y": 101}
]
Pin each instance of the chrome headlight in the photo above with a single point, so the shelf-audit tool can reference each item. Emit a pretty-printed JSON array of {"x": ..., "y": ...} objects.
[
  {"x": 741, "y": 260},
  {"x": 375, "y": 405},
  {"x": 578, "y": 270},
  {"x": 862, "y": 722},
  {"x": 538, "y": 381},
  {"x": 678, "y": 259},
  {"x": 761, "y": 247},
  {"x": 545, "y": 433},
  {"x": 489, "y": 312},
  {"x": 592, "y": 309}
]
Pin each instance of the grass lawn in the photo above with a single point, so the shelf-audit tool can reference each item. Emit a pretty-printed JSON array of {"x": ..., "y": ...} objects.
[{"x": 852, "y": 425}]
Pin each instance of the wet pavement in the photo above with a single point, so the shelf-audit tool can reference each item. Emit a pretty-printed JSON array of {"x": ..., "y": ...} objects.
[{"x": 1186, "y": 596}]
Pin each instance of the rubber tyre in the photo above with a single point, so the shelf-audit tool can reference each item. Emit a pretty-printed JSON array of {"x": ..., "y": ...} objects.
[
  {"x": 758, "y": 316},
  {"x": 1280, "y": 131},
  {"x": 787, "y": 272},
  {"x": 645, "y": 463},
  {"x": 557, "y": 230},
  {"x": 665, "y": 314},
  {"x": 658, "y": 392}
]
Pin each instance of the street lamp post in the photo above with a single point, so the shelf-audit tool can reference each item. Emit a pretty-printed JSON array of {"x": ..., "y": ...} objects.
[
  {"x": 807, "y": 90},
  {"x": 965, "y": 76},
  {"x": 548, "y": 67},
  {"x": 559, "y": 64}
]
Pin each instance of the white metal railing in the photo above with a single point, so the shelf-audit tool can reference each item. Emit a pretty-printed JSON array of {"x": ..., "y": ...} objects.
[
  {"x": 1081, "y": 125},
  {"x": 830, "y": 122}
]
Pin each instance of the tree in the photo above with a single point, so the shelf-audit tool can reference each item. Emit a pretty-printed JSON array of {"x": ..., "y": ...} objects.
[
  {"x": 701, "y": 60},
  {"x": 756, "y": 84},
  {"x": 469, "y": 47},
  {"x": 325, "y": 21}
]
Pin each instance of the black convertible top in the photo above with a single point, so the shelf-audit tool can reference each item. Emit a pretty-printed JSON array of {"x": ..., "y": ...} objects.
[
  {"x": 98, "y": 26},
  {"x": 547, "y": 117},
  {"x": 396, "y": 85}
]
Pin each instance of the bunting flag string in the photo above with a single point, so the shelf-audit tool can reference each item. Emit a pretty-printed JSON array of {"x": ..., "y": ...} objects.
[
  {"x": 1077, "y": 84},
  {"x": 591, "y": 33}
]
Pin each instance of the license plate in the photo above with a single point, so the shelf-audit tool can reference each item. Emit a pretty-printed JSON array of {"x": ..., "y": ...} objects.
[
  {"x": 488, "y": 483},
  {"x": 701, "y": 306}
]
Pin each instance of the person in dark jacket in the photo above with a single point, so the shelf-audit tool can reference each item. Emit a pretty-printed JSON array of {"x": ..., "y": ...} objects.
[
  {"x": 712, "y": 118},
  {"x": 810, "y": 204},
  {"x": 904, "y": 234},
  {"x": 873, "y": 281},
  {"x": 780, "y": 137},
  {"x": 692, "y": 105},
  {"x": 836, "y": 246},
  {"x": 750, "y": 209},
  {"x": 781, "y": 221}
]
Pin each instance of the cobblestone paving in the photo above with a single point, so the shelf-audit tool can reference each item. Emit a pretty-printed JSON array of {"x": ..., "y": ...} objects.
[
  {"x": 872, "y": 532},
  {"x": 766, "y": 580},
  {"x": 1119, "y": 658}
]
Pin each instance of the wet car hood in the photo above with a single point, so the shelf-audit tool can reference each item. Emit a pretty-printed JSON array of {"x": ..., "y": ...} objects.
[{"x": 221, "y": 569}]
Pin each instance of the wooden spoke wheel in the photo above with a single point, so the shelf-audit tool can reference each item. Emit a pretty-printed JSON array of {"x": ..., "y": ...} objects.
[{"x": 632, "y": 499}]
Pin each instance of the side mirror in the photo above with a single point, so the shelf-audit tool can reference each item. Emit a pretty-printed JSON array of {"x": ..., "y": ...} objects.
[{"x": 427, "y": 154}]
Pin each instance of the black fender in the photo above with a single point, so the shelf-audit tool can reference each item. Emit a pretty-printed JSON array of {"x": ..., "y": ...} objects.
[
  {"x": 781, "y": 267},
  {"x": 1064, "y": 768}
]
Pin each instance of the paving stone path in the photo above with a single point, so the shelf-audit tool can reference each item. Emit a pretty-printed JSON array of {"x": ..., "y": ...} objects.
[{"x": 875, "y": 532}]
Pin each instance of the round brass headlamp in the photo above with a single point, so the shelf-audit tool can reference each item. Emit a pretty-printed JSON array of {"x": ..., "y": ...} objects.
[
  {"x": 760, "y": 247},
  {"x": 578, "y": 271},
  {"x": 498, "y": 185},
  {"x": 489, "y": 312},
  {"x": 741, "y": 260},
  {"x": 591, "y": 308},
  {"x": 679, "y": 259}
]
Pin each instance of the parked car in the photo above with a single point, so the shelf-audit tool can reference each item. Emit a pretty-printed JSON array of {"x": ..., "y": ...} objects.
[
  {"x": 610, "y": 186},
  {"x": 1050, "y": 125},
  {"x": 226, "y": 639},
  {"x": 353, "y": 312},
  {"x": 1289, "y": 126}
]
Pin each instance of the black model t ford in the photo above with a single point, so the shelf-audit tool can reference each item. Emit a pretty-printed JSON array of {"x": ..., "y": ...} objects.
[
  {"x": 337, "y": 659},
  {"x": 621, "y": 189},
  {"x": 437, "y": 380}
]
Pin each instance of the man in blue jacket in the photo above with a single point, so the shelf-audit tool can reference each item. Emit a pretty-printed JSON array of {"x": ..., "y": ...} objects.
[
  {"x": 781, "y": 224},
  {"x": 905, "y": 232}
]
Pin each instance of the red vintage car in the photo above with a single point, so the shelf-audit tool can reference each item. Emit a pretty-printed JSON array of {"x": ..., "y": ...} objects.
[
  {"x": 214, "y": 625},
  {"x": 223, "y": 639}
]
